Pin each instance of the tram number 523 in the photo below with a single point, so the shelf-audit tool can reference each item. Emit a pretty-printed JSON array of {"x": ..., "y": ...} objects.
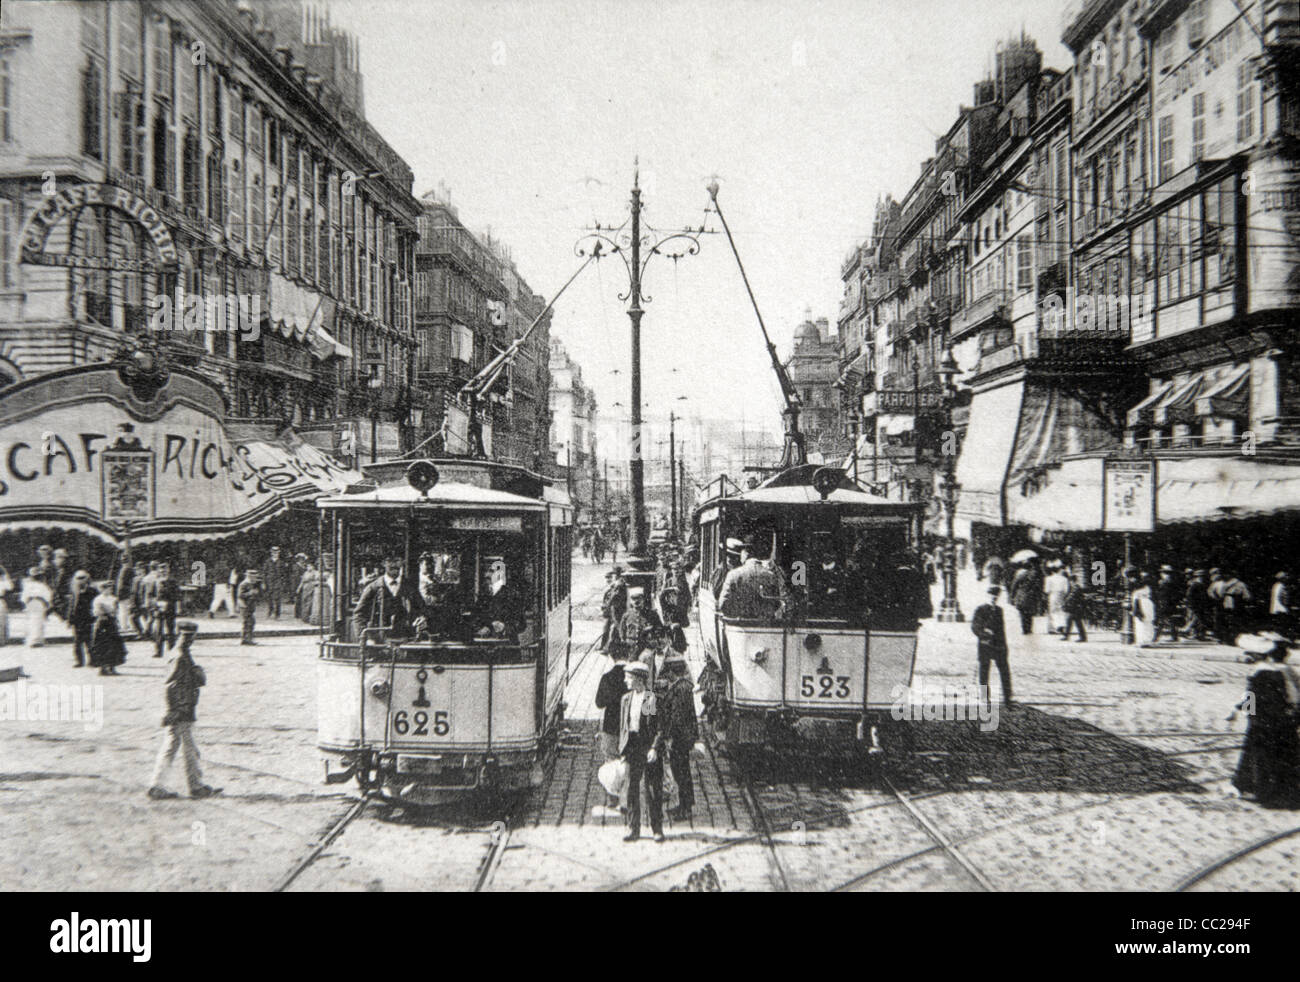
[
  {"x": 419, "y": 723},
  {"x": 824, "y": 686}
]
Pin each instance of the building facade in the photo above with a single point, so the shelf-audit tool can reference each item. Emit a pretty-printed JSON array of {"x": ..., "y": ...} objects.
[
  {"x": 814, "y": 369},
  {"x": 574, "y": 419},
  {"x": 200, "y": 177},
  {"x": 1122, "y": 267},
  {"x": 470, "y": 305}
]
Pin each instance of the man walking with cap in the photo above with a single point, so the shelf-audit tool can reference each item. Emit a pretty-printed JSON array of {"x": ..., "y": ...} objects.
[
  {"x": 1197, "y": 603},
  {"x": 250, "y": 591},
  {"x": 183, "y": 684},
  {"x": 1169, "y": 597},
  {"x": 639, "y": 742},
  {"x": 81, "y": 616},
  {"x": 680, "y": 730},
  {"x": 609, "y": 698},
  {"x": 990, "y": 629}
]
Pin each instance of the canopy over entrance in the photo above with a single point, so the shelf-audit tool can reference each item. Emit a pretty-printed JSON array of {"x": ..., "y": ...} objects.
[{"x": 95, "y": 450}]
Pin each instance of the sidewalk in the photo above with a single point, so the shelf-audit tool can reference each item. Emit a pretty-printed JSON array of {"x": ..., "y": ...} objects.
[
  {"x": 57, "y": 630},
  {"x": 972, "y": 592}
]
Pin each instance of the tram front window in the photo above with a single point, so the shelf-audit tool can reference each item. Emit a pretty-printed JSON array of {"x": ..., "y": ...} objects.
[{"x": 461, "y": 586}]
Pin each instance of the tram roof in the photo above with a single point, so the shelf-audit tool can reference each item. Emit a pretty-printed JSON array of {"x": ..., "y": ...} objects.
[
  {"x": 445, "y": 494},
  {"x": 802, "y": 494}
]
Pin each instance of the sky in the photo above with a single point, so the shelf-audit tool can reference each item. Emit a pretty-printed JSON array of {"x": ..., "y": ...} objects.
[{"x": 532, "y": 112}]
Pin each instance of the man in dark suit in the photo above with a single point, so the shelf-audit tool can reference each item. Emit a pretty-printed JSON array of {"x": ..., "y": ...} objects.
[
  {"x": 391, "y": 602},
  {"x": 990, "y": 629},
  {"x": 680, "y": 730},
  {"x": 276, "y": 574},
  {"x": 501, "y": 607},
  {"x": 165, "y": 598},
  {"x": 638, "y": 742},
  {"x": 81, "y": 617}
]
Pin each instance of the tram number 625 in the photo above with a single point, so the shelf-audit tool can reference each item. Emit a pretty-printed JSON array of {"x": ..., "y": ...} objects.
[
  {"x": 418, "y": 724},
  {"x": 824, "y": 686}
]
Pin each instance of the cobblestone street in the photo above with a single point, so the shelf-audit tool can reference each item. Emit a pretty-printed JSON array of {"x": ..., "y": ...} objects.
[{"x": 1110, "y": 773}]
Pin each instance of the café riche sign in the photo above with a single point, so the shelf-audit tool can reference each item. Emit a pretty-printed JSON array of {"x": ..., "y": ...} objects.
[
  {"x": 62, "y": 203},
  {"x": 82, "y": 448}
]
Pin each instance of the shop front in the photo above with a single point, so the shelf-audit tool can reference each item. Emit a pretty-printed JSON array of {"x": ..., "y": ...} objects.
[{"x": 129, "y": 455}]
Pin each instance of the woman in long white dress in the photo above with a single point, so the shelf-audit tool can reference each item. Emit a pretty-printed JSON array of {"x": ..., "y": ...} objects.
[
  {"x": 37, "y": 598},
  {"x": 1144, "y": 613},
  {"x": 1056, "y": 586}
]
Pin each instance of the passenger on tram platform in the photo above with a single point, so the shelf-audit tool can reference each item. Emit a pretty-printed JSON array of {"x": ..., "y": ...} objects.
[{"x": 754, "y": 590}]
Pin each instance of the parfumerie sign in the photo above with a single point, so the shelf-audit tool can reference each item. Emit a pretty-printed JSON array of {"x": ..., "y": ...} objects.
[
  {"x": 888, "y": 400},
  {"x": 66, "y": 202}
]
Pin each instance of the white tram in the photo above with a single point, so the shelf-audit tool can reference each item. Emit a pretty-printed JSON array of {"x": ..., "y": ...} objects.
[
  {"x": 472, "y": 699},
  {"x": 826, "y": 664}
]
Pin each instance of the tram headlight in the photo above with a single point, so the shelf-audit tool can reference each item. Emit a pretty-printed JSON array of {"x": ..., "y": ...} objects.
[
  {"x": 759, "y": 656},
  {"x": 379, "y": 688}
]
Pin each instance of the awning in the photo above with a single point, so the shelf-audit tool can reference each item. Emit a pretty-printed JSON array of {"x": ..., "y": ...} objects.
[
  {"x": 856, "y": 367},
  {"x": 1207, "y": 489},
  {"x": 1054, "y": 424},
  {"x": 326, "y": 345},
  {"x": 301, "y": 314},
  {"x": 1229, "y": 398},
  {"x": 1140, "y": 415},
  {"x": 80, "y": 449},
  {"x": 1178, "y": 405},
  {"x": 1063, "y": 499},
  {"x": 986, "y": 453}
]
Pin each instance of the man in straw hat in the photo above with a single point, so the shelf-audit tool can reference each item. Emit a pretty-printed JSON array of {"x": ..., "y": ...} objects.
[
  {"x": 183, "y": 684},
  {"x": 639, "y": 743}
]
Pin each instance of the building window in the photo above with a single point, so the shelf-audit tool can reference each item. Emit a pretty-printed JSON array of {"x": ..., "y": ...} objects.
[
  {"x": 191, "y": 170},
  {"x": 132, "y": 133},
  {"x": 235, "y": 122},
  {"x": 254, "y": 130},
  {"x": 128, "y": 38},
  {"x": 162, "y": 59},
  {"x": 1024, "y": 263},
  {"x": 92, "y": 25},
  {"x": 256, "y": 202},
  {"x": 1198, "y": 126},
  {"x": 91, "y": 111},
  {"x": 1245, "y": 101},
  {"x": 212, "y": 94},
  {"x": 190, "y": 91},
  {"x": 273, "y": 141},
  {"x": 235, "y": 207},
  {"x": 8, "y": 244},
  {"x": 162, "y": 171},
  {"x": 1196, "y": 17},
  {"x": 1165, "y": 169},
  {"x": 1165, "y": 50},
  {"x": 216, "y": 192}
]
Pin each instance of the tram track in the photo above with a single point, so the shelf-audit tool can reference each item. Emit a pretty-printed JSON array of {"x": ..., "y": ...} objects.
[
  {"x": 940, "y": 841},
  {"x": 1210, "y": 869}
]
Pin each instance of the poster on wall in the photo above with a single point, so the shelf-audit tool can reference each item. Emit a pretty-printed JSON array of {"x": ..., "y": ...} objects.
[{"x": 1129, "y": 496}]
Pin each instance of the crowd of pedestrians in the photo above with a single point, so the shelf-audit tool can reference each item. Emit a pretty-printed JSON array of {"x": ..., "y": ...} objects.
[{"x": 646, "y": 695}]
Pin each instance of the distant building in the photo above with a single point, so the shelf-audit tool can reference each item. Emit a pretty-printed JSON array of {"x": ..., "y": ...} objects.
[
  {"x": 814, "y": 368},
  {"x": 573, "y": 427}
]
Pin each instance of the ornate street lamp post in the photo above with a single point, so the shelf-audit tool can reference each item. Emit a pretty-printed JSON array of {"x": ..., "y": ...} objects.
[
  {"x": 673, "y": 245},
  {"x": 949, "y": 609}
]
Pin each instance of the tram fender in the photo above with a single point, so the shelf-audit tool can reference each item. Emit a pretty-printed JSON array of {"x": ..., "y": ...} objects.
[{"x": 339, "y": 777}]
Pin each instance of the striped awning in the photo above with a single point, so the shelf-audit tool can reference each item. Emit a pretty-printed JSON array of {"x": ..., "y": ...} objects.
[
  {"x": 1180, "y": 404},
  {"x": 1229, "y": 398},
  {"x": 1140, "y": 415}
]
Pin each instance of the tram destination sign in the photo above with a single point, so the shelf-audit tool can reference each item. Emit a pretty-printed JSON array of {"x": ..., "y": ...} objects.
[{"x": 488, "y": 523}]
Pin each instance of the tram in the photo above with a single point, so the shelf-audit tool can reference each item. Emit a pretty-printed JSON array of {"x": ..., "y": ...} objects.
[
  {"x": 823, "y": 661},
  {"x": 820, "y": 644},
  {"x": 467, "y": 694}
]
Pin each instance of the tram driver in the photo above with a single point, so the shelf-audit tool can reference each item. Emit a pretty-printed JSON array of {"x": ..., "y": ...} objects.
[{"x": 390, "y": 602}]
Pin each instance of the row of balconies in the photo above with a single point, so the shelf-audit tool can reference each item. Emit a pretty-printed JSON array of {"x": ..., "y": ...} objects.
[{"x": 980, "y": 312}]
